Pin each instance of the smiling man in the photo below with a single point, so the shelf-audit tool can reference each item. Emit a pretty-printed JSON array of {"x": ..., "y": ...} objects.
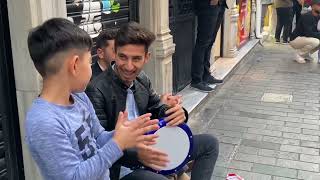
[{"x": 125, "y": 86}]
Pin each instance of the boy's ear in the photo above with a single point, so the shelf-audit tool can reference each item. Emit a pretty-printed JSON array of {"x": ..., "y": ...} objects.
[
  {"x": 100, "y": 53},
  {"x": 74, "y": 64},
  {"x": 147, "y": 57}
]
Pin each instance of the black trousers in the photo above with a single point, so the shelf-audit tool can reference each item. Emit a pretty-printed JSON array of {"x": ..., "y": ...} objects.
[
  {"x": 297, "y": 8},
  {"x": 208, "y": 27},
  {"x": 284, "y": 21},
  {"x": 205, "y": 154}
]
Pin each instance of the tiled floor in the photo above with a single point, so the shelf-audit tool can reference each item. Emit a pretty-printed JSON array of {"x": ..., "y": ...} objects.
[{"x": 266, "y": 140}]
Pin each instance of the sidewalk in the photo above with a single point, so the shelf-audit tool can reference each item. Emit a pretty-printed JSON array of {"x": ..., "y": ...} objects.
[{"x": 266, "y": 117}]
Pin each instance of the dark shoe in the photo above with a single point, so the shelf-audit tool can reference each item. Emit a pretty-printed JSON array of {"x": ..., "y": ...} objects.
[
  {"x": 203, "y": 87},
  {"x": 212, "y": 80},
  {"x": 277, "y": 41},
  {"x": 285, "y": 42}
]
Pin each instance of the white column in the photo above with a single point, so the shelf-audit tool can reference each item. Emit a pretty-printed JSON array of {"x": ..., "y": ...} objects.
[
  {"x": 230, "y": 34},
  {"x": 253, "y": 19},
  {"x": 23, "y": 15},
  {"x": 258, "y": 19},
  {"x": 154, "y": 15}
]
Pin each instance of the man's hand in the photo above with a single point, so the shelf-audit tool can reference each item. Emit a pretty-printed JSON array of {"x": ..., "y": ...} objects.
[
  {"x": 151, "y": 157},
  {"x": 129, "y": 134},
  {"x": 176, "y": 115},
  {"x": 171, "y": 100},
  {"x": 214, "y": 2}
]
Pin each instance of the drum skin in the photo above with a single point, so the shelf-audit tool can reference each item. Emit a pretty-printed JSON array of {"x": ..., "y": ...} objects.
[{"x": 177, "y": 143}]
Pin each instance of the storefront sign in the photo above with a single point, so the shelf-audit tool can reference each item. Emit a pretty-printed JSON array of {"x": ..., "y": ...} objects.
[{"x": 244, "y": 21}]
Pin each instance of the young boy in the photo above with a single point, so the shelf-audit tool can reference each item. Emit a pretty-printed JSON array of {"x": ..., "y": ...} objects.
[
  {"x": 105, "y": 51},
  {"x": 62, "y": 131}
]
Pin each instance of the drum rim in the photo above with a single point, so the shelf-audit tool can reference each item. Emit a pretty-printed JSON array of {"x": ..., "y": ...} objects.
[{"x": 186, "y": 128}]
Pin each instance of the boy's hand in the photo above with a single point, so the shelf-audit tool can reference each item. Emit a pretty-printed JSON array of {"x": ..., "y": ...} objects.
[
  {"x": 151, "y": 157},
  {"x": 176, "y": 115},
  {"x": 129, "y": 134},
  {"x": 170, "y": 100}
]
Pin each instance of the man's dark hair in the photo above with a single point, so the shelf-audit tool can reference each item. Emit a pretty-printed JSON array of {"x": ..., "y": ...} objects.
[
  {"x": 54, "y": 36},
  {"x": 133, "y": 33},
  {"x": 104, "y": 36}
]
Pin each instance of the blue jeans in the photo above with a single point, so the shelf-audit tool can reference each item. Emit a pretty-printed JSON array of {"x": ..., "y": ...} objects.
[{"x": 205, "y": 154}]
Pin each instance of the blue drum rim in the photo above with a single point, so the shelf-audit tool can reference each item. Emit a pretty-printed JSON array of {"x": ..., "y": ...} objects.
[{"x": 162, "y": 123}]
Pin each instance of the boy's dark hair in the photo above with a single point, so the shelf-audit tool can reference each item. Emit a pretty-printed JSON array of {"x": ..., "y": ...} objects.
[
  {"x": 133, "y": 33},
  {"x": 54, "y": 36},
  {"x": 104, "y": 36}
]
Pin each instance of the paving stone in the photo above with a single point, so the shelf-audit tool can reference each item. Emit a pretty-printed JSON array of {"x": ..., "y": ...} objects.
[
  {"x": 222, "y": 126},
  {"x": 217, "y": 178},
  {"x": 310, "y": 158},
  {"x": 305, "y": 175},
  {"x": 225, "y": 151},
  {"x": 310, "y": 144},
  {"x": 279, "y": 140},
  {"x": 287, "y": 119},
  {"x": 311, "y": 132},
  {"x": 265, "y": 132},
  {"x": 241, "y": 165},
  {"x": 220, "y": 171},
  {"x": 281, "y": 178},
  {"x": 299, "y": 149},
  {"x": 221, "y": 133},
  {"x": 304, "y": 126},
  {"x": 255, "y": 159},
  {"x": 278, "y": 154},
  {"x": 229, "y": 140},
  {"x": 241, "y": 124},
  {"x": 248, "y": 150},
  {"x": 277, "y": 113},
  {"x": 253, "y": 115},
  {"x": 255, "y": 137},
  {"x": 310, "y": 121},
  {"x": 260, "y": 144},
  {"x": 303, "y": 116},
  {"x": 284, "y": 129},
  {"x": 298, "y": 165},
  {"x": 316, "y": 113},
  {"x": 301, "y": 136},
  {"x": 275, "y": 170}
]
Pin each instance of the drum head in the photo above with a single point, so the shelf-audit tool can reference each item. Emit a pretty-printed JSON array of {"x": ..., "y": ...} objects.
[{"x": 175, "y": 142}]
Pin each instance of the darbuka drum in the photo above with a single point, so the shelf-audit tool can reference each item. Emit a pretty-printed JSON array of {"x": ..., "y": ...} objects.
[{"x": 177, "y": 143}]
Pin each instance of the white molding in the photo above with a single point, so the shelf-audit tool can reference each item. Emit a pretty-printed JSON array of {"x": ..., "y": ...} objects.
[{"x": 154, "y": 15}]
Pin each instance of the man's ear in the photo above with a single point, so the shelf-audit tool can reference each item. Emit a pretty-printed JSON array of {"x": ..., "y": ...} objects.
[
  {"x": 100, "y": 53},
  {"x": 147, "y": 57}
]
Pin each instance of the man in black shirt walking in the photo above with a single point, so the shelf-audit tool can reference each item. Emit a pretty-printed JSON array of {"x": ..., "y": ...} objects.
[{"x": 306, "y": 37}]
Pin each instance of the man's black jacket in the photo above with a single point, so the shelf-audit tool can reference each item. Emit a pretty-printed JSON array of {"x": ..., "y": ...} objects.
[{"x": 108, "y": 94}]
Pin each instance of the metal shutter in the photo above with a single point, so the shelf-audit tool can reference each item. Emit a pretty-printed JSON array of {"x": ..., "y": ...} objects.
[{"x": 95, "y": 15}]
